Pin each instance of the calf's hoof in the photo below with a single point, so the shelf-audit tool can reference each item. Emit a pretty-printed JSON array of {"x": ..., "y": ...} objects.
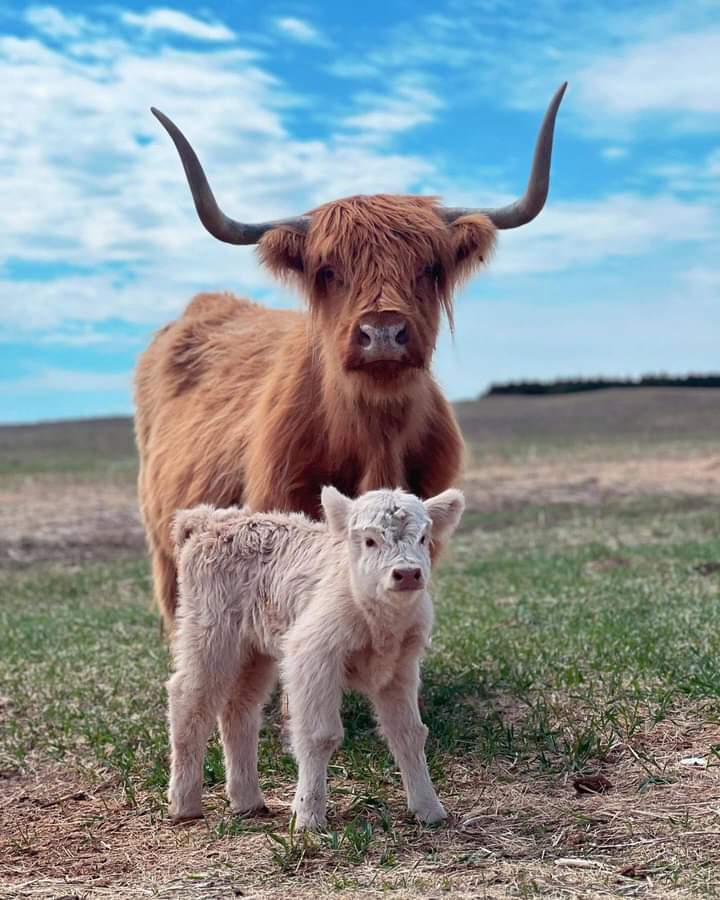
[
  {"x": 309, "y": 820},
  {"x": 431, "y": 813},
  {"x": 256, "y": 807},
  {"x": 190, "y": 815},
  {"x": 184, "y": 807}
]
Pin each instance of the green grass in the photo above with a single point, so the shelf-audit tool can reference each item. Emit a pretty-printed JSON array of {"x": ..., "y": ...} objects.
[{"x": 550, "y": 645}]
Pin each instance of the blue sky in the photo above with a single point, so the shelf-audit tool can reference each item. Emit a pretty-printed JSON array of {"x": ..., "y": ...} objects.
[{"x": 292, "y": 104}]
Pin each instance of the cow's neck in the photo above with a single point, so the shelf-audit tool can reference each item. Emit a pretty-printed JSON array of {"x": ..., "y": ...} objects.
[{"x": 374, "y": 428}]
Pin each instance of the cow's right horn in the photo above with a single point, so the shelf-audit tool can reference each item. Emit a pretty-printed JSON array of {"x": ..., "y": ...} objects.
[
  {"x": 213, "y": 218},
  {"x": 524, "y": 210}
]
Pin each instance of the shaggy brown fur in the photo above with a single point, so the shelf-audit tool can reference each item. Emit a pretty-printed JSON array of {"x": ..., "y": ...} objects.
[{"x": 241, "y": 404}]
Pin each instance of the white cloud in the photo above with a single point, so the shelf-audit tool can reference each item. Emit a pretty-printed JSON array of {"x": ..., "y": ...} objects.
[
  {"x": 614, "y": 152},
  {"x": 575, "y": 234},
  {"x": 699, "y": 176},
  {"x": 51, "y": 21},
  {"x": 299, "y": 30},
  {"x": 172, "y": 20},
  {"x": 55, "y": 380},
  {"x": 671, "y": 75},
  {"x": 408, "y": 104},
  {"x": 94, "y": 181}
]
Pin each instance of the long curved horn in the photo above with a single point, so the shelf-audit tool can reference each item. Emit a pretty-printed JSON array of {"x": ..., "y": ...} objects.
[
  {"x": 213, "y": 218},
  {"x": 524, "y": 210}
]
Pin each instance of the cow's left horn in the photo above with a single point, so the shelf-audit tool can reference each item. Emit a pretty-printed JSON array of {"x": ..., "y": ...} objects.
[
  {"x": 213, "y": 218},
  {"x": 529, "y": 205}
]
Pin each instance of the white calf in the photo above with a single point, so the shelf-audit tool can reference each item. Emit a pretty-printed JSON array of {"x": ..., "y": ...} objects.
[{"x": 338, "y": 605}]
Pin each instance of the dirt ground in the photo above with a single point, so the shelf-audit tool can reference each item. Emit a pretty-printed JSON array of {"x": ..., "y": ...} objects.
[
  {"x": 72, "y": 838},
  {"x": 63, "y": 517}
]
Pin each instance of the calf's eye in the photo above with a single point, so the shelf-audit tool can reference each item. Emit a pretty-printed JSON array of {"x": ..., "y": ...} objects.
[{"x": 369, "y": 542}]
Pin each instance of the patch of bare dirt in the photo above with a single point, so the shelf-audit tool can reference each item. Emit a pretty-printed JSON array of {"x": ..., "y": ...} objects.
[
  {"x": 544, "y": 481},
  {"x": 513, "y": 833},
  {"x": 58, "y": 517},
  {"x": 61, "y": 518}
]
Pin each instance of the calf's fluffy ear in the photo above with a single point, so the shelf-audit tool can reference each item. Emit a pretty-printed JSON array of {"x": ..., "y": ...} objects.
[
  {"x": 337, "y": 509},
  {"x": 445, "y": 511}
]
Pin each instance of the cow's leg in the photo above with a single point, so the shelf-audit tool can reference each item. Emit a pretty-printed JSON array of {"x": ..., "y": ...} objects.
[
  {"x": 314, "y": 685},
  {"x": 164, "y": 586},
  {"x": 239, "y": 728},
  {"x": 396, "y": 707}
]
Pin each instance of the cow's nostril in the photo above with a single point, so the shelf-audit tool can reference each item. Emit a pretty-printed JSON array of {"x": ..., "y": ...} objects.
[
  {"x": 364, "y": 338},
  {"x": 417, "y": 573},
  {"x": 398, "y": 576},
  {"x": 402, "y": 337}
]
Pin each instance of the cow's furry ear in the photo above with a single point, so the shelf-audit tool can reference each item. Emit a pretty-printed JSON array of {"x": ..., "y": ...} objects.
[
  {"x": 282, "y": 250},
  {"x": 337, "y": 509},
  {"x": 445, "y": 511},
  {"x": 473, "y": 242}
]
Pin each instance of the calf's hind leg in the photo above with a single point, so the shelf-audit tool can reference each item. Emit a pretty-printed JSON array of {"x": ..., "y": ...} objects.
[
  {"x": 207, "y": 663},
  {"x": 239, "y": 728}
]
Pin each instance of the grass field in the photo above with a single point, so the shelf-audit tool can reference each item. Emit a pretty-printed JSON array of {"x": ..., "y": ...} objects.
[{"x": 572, "y": 691}]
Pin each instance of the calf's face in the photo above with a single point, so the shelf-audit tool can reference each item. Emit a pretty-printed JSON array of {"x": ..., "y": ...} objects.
[{"x": 388, "y": 534}]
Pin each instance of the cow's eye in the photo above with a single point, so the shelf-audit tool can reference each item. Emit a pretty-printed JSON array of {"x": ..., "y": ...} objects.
[
  {"x": 369, "y": 542},
  {"x": 433, "y": 271},
  {"x": 327, "y": 275},
  {"x": 422, "y": 539}
]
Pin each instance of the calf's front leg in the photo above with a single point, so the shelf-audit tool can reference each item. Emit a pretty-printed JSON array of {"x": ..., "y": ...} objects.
[
  {"x": 314, "y": 687},
  {"x": 396, "y": 707}
]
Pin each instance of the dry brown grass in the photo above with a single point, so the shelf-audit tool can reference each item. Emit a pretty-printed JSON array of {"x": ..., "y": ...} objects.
[{"x": 512, "y": 834}]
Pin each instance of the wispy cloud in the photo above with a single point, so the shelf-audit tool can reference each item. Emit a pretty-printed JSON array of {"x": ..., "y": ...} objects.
[
  {"x": 407, "y": 105},
  {"x": 54, "y": 380},
  {"x": 669, "y": 76},
  {"x": 614, "y": 152},
  {"x": 51, "y": 21},
  {"x": 300, "y": 30},
  {"x": 571, "y": 235},
  {"x": 172, "y": 20}
]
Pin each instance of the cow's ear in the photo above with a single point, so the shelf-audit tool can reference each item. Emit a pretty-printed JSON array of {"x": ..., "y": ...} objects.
[
  {"x": 337, "y": 509},
  {"x": 282, "y": 250},
  {"x": 473, "y": 241},
  {"x": 445, "y": 510}
]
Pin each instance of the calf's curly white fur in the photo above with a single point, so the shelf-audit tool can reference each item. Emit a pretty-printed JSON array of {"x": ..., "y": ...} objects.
[{"x": 339, "y": 604}]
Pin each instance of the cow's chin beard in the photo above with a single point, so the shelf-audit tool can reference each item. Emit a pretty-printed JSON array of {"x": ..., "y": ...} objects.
[{"x": 386, "y": 374}]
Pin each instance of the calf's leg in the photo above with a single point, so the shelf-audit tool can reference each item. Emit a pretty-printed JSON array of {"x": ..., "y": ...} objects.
[
  {"x": 239, "y": 728},
  {"x": 398, "y": 715},
  {"x": 207, "y": 662},
  {"x": 313, "y": 684}
]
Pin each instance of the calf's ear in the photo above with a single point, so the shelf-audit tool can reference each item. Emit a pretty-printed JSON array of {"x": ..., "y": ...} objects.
[
  {"x": 445, "y": 511},
  {"x": 337, "y": 509}
]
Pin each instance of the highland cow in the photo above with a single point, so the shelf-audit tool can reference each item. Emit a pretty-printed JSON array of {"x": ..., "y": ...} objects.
[
  {"x": 238, "y": 404},
  {"x": 341, "y": 604}
]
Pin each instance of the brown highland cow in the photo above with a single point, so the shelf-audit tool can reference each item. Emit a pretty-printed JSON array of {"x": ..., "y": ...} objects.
[{"x": 237, "y": 403}]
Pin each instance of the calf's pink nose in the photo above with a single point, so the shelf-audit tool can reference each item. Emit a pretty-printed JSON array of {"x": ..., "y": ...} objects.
[{"x": 407, "y": 579}]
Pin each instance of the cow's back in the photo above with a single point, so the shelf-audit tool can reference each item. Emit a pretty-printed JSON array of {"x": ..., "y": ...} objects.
[{"x": 195, "y": 387}]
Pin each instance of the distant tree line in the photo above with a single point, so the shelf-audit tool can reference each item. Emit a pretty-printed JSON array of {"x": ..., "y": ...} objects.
[{"x": 576, "y": 385}]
